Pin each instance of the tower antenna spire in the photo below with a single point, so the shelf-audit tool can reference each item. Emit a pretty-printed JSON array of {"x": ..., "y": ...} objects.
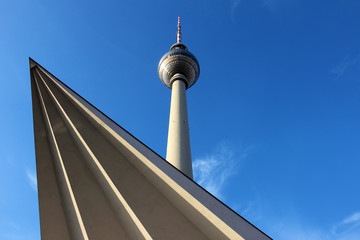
[{"x": 179, "y": 31}]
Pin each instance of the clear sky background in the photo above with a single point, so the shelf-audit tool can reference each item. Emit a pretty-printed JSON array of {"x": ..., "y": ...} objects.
[{"x": 274, "y": 117}]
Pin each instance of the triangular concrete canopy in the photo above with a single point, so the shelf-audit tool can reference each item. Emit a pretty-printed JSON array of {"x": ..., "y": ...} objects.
[{"x": 97, "y": 181}]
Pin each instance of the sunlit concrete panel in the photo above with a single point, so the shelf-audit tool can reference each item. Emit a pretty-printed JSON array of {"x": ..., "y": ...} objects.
[{"x": 97, "y": 181}]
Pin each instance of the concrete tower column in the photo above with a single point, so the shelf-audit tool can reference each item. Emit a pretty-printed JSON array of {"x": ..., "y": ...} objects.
[{"x": 178, "y": 145}]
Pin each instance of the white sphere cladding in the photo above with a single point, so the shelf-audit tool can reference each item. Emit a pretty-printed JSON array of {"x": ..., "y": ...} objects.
[{"x": 178, "y": 61}]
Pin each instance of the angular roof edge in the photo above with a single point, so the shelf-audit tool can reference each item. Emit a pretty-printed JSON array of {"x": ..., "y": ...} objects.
[{"x": 153, "y": 161}]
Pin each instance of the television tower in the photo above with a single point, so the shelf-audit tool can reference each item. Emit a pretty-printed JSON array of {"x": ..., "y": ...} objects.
[{"x": 179, "y": 70}]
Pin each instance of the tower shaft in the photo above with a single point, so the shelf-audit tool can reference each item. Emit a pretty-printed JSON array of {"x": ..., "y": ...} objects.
[{"x": 178, "y": 145}]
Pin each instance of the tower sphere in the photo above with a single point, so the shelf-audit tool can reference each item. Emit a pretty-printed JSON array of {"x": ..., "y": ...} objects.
[{"x": 178, "y": 63}]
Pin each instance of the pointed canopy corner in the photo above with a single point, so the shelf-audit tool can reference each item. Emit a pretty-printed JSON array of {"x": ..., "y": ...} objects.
[{"x": 32, "y": 63}]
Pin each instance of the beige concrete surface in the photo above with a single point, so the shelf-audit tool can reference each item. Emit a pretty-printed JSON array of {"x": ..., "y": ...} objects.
[
  {"x": 97, "y": 181},
  {"x": 178, "y": 145}
]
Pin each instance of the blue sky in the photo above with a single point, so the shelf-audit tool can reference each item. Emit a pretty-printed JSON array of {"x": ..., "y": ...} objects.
[{"x": 274, "y": 117}]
